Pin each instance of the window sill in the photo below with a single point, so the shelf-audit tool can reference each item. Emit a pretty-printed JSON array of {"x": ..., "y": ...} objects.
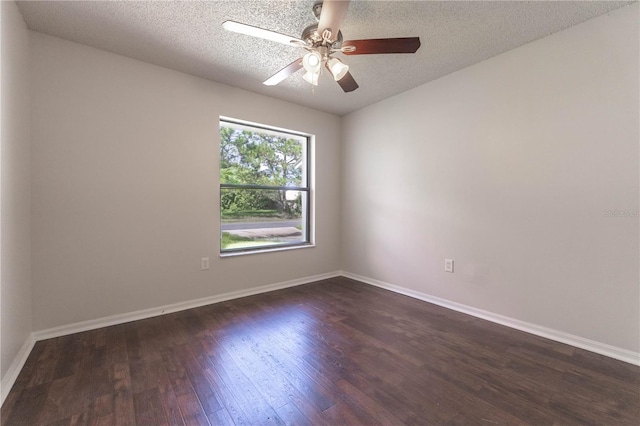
[{"x": 269, "y": 250}]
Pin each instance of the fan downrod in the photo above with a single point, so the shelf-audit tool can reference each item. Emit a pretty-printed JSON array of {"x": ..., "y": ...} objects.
[{"x": 317, "y": 10}]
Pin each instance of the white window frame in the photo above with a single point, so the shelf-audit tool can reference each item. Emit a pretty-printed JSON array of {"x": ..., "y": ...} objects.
[{"x": 307, "y": 222}]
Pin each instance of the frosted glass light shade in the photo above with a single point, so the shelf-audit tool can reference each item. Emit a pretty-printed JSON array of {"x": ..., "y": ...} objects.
[
  {"x": 311, "y": 62},
  {"x": 337, "y": 68},
  {"x": 311, "y": 77}
]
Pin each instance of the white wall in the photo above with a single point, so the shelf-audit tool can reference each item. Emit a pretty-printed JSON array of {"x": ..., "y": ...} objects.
[
  {"x": 508, "y": 167},
  {"x": 125, "y": 185},
  {"x": 15, "y": 289}
]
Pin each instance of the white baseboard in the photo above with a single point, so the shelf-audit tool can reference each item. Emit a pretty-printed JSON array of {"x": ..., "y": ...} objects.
[
  {"x": 174, "y": 307},
  {"x": 10, "y": 377},
  {"x": 549, "y": 333},
  {"x": 16, "y": 366}
]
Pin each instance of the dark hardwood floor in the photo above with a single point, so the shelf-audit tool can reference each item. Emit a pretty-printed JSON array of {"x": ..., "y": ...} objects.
[{"x": 335, "y": 352}]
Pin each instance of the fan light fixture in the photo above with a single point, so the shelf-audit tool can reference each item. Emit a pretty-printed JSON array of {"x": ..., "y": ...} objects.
[
  {"x": 312, "y": 61},
  {"x": 311, "y": 77},
  {"x": 337, "y": 68}
]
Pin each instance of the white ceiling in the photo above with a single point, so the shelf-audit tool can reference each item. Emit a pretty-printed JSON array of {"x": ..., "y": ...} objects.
[{"x": 188, "y": 37}]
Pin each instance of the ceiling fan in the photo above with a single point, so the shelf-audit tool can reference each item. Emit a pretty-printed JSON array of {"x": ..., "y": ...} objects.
[{"x": 322, "y": 40}]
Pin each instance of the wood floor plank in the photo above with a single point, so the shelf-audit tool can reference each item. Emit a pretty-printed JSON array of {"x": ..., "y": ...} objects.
[
  {"x": 385, "y": 395},
  {"x": 103, "y": 421},
  {"x": 46, "y": 363},
  {"x": 234, "y": 408},
  {"x": 255, "y": 407},
  {"x": 102, "y": 406},
  {"x": 167, "y": 396},
  {"x": 67, "y": 364},
  {"x": 274, "y": 387},
  {"x": 345, "y": 414},
  {"x": 61, "y": 401},
  {"x": 375, "y": 410},
  {"x": 220, "y": 418},
  {"x": 116, "y": 344},
  {"x": 198, "y": 380},
  {"x": 28, "y": 407},
  {"x": 192, "y": 411},
  {"x": 335, "y": 352},
  {"x": 176, "y": 372},
  {"x": 290, "y": 415},
  {"x": 148, "y": 408},
  {"x": 124, "y": 411}
]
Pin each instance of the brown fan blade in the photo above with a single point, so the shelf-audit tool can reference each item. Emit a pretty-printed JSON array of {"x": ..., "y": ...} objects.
[
  {"x": 240, "y": 28},
  {"x": 347, "y": 83},
  {"x": 284, "y": 73},
  {"x": 331, "y": 17},
  {"x": 382, "y": 45}
]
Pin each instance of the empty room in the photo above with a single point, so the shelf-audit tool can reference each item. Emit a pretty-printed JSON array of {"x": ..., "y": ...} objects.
[{"x": 320, "y": 213}]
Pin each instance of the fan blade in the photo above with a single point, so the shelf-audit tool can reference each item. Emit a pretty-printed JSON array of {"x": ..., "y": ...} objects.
[
  {"x": 383, "y": 45},
  {"x": 331, "y": 17},
  {"x": 347, "y": 83},
  {"x": 284, "y": 73},
  {"x": 239, "y": 28}
]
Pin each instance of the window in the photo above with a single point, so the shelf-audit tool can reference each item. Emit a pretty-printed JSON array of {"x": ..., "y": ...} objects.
[{"x": 264, "y": 188}]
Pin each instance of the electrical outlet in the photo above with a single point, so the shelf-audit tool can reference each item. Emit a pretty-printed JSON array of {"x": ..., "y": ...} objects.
[
  {"x": 448, "y": 265},
  {"x": 204, "y": 263}
]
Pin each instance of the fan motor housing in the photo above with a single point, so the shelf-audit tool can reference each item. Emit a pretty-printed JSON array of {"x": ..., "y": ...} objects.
[{"x": 310, "y": 35}]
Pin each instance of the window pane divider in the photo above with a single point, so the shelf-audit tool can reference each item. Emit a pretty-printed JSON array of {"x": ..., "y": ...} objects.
[{"x": 275, "y": 188}]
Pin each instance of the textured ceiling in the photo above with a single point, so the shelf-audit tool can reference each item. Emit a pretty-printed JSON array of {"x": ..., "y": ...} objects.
[{"x": 188, "y": 37}]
